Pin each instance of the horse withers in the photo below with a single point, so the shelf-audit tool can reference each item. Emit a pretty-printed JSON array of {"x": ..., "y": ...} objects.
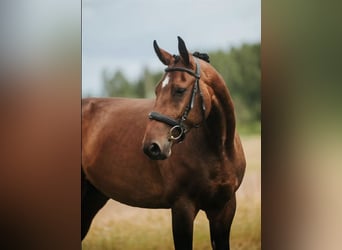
[{"x": 179, "y": 151}]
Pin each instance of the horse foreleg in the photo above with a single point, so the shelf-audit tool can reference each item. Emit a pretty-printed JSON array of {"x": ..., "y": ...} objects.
[
  {"x": 183, "y": 215},
  {"x": 92, "y": 202},
  {"x": 220, "y": 222}
]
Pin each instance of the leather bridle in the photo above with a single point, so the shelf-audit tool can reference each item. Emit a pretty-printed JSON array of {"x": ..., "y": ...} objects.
[{"x": 178, "y": 127}]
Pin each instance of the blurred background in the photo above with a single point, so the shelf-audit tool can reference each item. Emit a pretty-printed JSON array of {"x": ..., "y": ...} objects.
[{"x": 118, "y": 59}]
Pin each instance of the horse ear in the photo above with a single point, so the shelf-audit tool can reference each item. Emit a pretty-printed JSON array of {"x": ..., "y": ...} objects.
[
  {"x": 163, "y": 55},
  {"x": 183, "y": 51}
]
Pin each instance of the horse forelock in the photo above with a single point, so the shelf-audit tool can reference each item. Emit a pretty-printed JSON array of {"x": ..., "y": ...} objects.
[{"x": 176, "y": 58}]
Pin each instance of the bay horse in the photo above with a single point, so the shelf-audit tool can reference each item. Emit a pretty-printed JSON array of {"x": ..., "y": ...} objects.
[{"x": 180, "y": 150}]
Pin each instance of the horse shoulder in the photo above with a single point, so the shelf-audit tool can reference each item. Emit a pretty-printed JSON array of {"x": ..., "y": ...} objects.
[{"x": 226, "y": 174}]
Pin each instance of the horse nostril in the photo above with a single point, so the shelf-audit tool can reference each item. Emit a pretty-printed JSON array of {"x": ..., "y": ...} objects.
[
  {"x": 154, "y": 152},
  {"x": 154, "y": 149}
]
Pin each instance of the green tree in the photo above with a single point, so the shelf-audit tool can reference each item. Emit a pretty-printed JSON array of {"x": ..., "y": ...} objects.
[
  {"x": 240, "y": 68},
  {"x": 116, "y": 84}
]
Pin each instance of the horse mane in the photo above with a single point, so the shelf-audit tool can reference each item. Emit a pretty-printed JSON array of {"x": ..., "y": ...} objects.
[{"x": 203, "y": 56}]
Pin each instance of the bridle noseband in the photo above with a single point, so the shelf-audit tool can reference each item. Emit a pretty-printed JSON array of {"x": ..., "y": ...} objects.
[{"x": 178, "y": 128}]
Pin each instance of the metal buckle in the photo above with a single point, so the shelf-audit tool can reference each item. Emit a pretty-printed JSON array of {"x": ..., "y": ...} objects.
[{"x": 176, "y": 133}]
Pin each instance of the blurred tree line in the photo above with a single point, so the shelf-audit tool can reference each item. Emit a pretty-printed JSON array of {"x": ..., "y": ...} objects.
[{"x": 240, "y": 68}]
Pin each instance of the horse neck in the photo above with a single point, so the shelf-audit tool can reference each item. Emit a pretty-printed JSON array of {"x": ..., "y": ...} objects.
[{"x": 221, "y": 120}]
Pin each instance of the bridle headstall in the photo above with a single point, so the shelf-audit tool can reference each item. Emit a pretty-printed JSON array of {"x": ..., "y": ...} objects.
[{"x": 178, "y": 127}]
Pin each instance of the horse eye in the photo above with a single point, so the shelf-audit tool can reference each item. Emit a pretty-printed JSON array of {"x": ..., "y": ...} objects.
[{"x": 179, "y": 91}]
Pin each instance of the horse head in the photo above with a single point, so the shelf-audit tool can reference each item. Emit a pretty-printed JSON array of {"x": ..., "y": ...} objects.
[{"x": 183, "y": 101}]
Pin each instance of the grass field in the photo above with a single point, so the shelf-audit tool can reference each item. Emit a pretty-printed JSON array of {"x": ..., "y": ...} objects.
[{"x": 118, "y": 226}]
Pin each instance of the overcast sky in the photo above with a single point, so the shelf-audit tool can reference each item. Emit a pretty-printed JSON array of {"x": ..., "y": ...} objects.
[{"x": 118, "y": 34}]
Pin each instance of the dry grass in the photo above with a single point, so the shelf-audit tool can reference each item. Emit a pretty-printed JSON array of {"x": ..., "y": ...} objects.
[{"x": 118, "y": 226}]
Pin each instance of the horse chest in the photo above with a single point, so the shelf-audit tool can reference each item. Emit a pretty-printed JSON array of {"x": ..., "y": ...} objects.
[{"x": 196, "y": 182}]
